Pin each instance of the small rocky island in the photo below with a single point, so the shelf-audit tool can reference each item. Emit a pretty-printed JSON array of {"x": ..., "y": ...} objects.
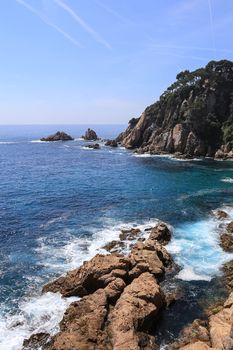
[
  {"x": 58, "y": 136},
  {"x": 193, "y": 117},
  {"x": 90, "y": 135}
]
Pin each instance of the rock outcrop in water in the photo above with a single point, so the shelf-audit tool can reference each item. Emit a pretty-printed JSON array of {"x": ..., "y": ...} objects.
[
  {"x": 93, "y": 146},
  {"x": 90, "y": 135},
  {"x": 58, "y": 136},
  {"x": 120, "y": 299},
  {"x": 193, "y": 117}
]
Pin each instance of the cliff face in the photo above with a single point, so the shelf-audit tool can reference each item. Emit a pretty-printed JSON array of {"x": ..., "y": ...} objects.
[{"x": 193, "y": 117}]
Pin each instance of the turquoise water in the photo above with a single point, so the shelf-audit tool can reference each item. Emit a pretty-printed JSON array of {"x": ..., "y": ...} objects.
[{"x": 60, "y": 202}]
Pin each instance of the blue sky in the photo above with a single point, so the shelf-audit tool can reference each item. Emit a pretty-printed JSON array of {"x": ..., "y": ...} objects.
[{"x": 102, "y": 61}]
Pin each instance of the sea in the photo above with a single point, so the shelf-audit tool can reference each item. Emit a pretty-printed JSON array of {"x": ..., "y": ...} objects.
[{"x": 60, "y": 202}]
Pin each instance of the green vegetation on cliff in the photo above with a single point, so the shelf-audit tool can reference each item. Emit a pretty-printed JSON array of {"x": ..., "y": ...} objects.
[{"x": 194, "y": 116}]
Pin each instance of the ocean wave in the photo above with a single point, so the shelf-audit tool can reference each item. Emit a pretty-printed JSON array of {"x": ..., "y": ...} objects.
[
  {"x": 86, "y": 246},
  {"x": 227, "y": 179},
  {"x": 37, "y": 141},
  {"x": 35, "y": 315},
  {"x": 196, "y": 249},
  {"x": 7, "y": 142}
]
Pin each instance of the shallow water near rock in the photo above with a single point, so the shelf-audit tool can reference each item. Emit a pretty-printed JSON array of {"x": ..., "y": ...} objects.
[{"x": 61, "y": 202}]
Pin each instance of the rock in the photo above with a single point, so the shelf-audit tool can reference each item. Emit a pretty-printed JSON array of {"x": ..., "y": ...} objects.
[
  {"x": 199, "y": 345},
  {"x": 113, "y": 246},
  {"x": 148, "y": 256},
  {"x": 92, "y": 275},
  {"x": 90, "y": 135},
  {"x": 82, "y": 325},
  {"x": 59, "y": 136},
  {"x": 195, "y": 334},
  {"x": 228, "y": 273},
  {"x": 220, "y": 214},
  {"x": 130, "y": 234},
  {"x": 36, "y": 341},
  {"x": 93, "y": 146},
  {"x": 161, "y": 233},
  {"x": 226, "y": 242},
  {"x": 192, "y": 117},
  {"x": 230, "y": 227},
  {"x": 137, "y": 307},
  {"x": 111, "y": 143},
  {"x": 220, "y": 324}
]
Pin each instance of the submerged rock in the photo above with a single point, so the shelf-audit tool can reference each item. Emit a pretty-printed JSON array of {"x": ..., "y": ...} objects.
[
  {"x": 90, "y": 135},
  {"x": 58, "y": 136}
]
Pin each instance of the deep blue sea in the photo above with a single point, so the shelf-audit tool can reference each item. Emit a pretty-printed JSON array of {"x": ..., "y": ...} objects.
[{"x": 60, "y": 202}]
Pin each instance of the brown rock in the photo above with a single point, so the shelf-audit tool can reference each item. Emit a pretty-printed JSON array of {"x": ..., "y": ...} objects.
[
  {"x": 191, "y": 335},
  {"x": 220, "y": 214},
  {"x": 160, "y": 233},
  {"x": 220, "y": 324},
  {"x": 199, "y": 345},
  {"x": 230, "y": 227},
  {"x": 113, "y": 246},
  {"x": 92, "y": 275},
  {"x": 82, "y": 325},
  {"x": 148, "y": 256},
  {"x": 138, "y": 305},
  {"x": 130, "y": 234},
  {"x": 226, "y": 242},
  {"x": 90, "y": 135},
  {"x": 36, "y": 341}
]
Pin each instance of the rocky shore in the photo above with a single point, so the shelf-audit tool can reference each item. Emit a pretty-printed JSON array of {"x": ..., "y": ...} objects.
[{"x": 121, "y": 299}]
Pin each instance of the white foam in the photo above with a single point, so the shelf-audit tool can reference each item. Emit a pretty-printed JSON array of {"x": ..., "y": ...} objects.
[
  {"x": 227, "y": 179},
  {"x": 6, "y": 142},
  {"x": 38, "y": 314},
  {"x": 74, "y": 250},
  {"x": 37, "y": 141},
  {"x": 196, "y": 248},
  {"x": 187, "y": 274}
]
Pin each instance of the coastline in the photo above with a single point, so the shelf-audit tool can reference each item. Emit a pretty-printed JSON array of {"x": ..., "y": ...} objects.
[{"x": 155, "y": 239}]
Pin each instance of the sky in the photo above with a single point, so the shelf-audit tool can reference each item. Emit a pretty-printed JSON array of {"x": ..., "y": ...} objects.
[{"x": 102, "y": 61}]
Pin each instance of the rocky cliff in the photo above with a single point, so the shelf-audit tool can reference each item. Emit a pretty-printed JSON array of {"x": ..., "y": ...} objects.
[{"x": 193, "y": 117}]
